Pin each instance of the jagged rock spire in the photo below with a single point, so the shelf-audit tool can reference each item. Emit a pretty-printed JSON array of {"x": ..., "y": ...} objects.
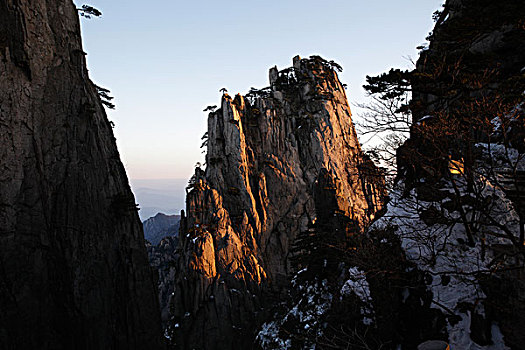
[{"x": 265, "y": 152}]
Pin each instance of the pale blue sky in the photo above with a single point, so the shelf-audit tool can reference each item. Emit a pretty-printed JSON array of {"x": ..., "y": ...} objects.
[{"x": 165, "y": 61}]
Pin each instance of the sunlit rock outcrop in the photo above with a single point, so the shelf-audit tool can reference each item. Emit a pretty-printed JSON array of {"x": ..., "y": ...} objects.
[{"x": 265, "y": 152}]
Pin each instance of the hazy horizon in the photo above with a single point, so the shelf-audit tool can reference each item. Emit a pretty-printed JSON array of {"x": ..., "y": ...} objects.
[{"x": 159, "y": 196}]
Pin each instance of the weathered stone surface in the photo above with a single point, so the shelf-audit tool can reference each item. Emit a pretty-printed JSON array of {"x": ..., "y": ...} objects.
[
  {"x": 266, "y": 150},
  {"x": 73, "y": 267}
]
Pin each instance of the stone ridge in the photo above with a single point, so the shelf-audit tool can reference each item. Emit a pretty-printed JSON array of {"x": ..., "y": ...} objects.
[
  {"x": 265, "y": 153},
  {"x": 74, "y": 272}
]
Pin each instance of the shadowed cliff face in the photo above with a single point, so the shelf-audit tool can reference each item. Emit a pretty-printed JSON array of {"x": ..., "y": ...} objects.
[
  {"x": 472, "y": 54},
  {"x": 73, "y": 266},
  {"x": 266, "y": 151},
  {"x": 471, "y": 72},
  {"x": 468, "y": 107}
]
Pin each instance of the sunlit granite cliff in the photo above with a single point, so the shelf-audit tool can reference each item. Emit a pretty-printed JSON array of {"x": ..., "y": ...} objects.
[
  {"x": 266, "y": 153},
  {"x": 73, "y": 267}
]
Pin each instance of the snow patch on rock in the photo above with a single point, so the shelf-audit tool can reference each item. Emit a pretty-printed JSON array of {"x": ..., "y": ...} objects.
[
  {"x": 307, "y": 312},
  {"x": 358, "y": 285}
]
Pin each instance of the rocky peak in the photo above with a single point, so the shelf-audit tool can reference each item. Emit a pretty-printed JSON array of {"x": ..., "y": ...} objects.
[
  {"x": 265, "y": 152},
  {"x": 159, "y": 226}
]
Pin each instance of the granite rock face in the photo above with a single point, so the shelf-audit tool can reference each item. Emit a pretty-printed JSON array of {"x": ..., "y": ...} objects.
[
  {"x": 265, "y": 153},
  {"x": 74, "y": 272}
]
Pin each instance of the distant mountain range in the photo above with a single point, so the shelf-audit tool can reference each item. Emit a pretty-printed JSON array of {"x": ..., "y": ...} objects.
[
  {"x": 160, "y": 226},
  {"x": 159, "y": 196}
]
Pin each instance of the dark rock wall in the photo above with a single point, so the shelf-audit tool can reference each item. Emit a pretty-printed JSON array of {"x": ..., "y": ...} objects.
[
  {"x": 472, "y": 72},
  {"x": 474, "y": 48},
  {"x": 73, "y": 267},
  {"x": 162, "y": 258},
  {"x": 266, "y": 150}
]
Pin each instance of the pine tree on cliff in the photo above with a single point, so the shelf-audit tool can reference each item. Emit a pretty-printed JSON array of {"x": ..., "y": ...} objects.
[{"x": 88, "y": 11}]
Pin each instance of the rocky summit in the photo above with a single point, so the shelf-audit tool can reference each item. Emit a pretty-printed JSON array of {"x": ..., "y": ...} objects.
[{"x": 267, "y": 152}]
